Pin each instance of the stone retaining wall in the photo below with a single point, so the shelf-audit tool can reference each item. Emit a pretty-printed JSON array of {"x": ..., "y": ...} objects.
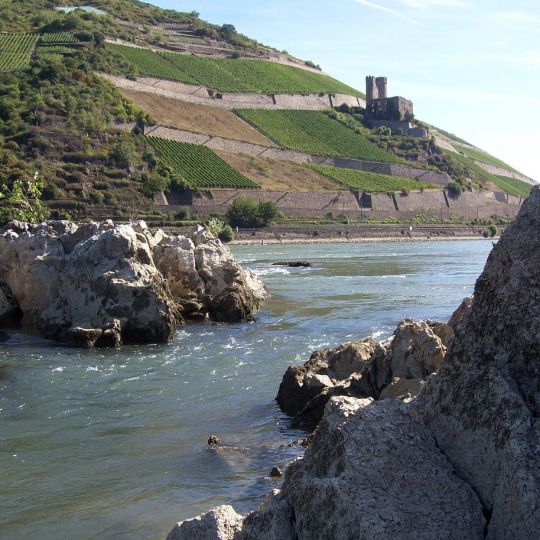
[
  {"x": 504, "y": 172},
  {"x": 204, "y": 96},
  {"x": 383, "y": 206}
]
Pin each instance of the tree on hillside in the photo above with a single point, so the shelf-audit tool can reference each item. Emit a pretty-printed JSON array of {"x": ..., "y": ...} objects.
[{"x": 228, "y": 31}]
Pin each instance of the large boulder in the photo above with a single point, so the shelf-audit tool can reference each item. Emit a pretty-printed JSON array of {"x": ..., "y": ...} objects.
[
  {"x": 459, "y": 461},
  {"x": 101, "y": 284},
  {"x": 483, "y": 406},
  {"x": 222, "y": 523},
  {"x": 395, "y": 368}
]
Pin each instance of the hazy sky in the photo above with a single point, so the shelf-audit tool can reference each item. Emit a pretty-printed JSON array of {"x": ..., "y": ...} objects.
[{"x": 471, "y": 67}]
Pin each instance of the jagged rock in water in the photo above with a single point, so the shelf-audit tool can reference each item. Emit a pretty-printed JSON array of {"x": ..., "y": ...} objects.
[
  {"x": 394, "y": 368},
  {"x": 100, "y": 284},
  {"x": 459, "y": 461}
]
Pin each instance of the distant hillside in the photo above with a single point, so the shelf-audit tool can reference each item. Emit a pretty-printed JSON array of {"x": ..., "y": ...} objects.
[{"x": 223, "y": 111}]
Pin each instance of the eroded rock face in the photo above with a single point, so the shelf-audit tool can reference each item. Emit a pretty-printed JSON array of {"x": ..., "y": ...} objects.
[
  {"x": 459, "y": 461},
  {"x": 394, "y": 368},
  {"x": 483, "y": 407},
  {"x": 101, "y": 284}
]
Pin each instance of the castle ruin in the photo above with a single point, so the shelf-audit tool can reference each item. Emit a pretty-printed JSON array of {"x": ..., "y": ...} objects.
[{"x": 393, "y": 112}]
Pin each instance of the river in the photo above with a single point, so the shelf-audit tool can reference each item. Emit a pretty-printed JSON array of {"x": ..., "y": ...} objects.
[{"x": 112, "y": 443}]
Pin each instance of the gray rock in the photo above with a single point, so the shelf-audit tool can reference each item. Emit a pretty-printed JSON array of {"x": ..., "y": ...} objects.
[
  {"x": 9, "y": 309},
  {"x": 221, "y": 523},
  {"x": 101, "y": 285},
  {"x": 365, "y": 369},
  {"x": 483, "y": 405}
]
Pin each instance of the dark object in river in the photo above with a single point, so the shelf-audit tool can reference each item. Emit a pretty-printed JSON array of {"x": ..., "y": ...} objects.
[
  {"x": 214, "y": 441},
  {"x": 293, "y": 264},
  {"x": 276, "y": 473}
]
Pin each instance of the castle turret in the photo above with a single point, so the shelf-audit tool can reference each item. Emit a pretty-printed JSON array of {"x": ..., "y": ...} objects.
[
  {"x": 381, "y": 83},
  {"x": 371, "y": 89}
]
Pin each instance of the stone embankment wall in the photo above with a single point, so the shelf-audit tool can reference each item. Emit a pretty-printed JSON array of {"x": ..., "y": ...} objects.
[
  {"x": 204, "y": 96},
  {"x": 357, "y": 205}
]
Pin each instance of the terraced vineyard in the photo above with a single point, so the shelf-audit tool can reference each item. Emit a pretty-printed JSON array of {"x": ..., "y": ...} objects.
[
  {"x": 477, "y": 155},
  {"x": 314, "y": 132},
  {"x": 58, "y": 38},
  {"x": 199, "y": 166},
  {"x": 16, "y": 51},
  {"x": 509, "y": 185},
  {"x": 232, "y": 75},
  {"x": 514, "y": 186},
  {"x": 370, "y": 182},
  {"x": 152, "y": 64}
]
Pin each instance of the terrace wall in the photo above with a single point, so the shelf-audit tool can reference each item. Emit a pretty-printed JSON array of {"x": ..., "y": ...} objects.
[
  {"x": 242, "y": 147},
  {"x": 504, "y": 172},
  {"x": 203, "y": 96}
]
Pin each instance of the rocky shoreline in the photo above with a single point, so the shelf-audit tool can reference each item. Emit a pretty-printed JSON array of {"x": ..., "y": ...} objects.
[
  {"x": 104, "y": 285},
  {"x": 455, "y": 458}
]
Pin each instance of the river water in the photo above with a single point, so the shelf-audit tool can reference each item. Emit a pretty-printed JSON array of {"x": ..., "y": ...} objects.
[{"x": 112, "y": 444}]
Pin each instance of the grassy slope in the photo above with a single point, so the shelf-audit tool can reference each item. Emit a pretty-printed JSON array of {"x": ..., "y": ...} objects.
[
  {"x": 279, "y": 175},
  {"x": 509, "y": 185},
  {"x": 483, "y": 157},
  {"x": 196, "y": 118},
  {"x": 314, "y": 132},
  {"x": 232, "y": 75},
  {"x": 370, "y": 182}
]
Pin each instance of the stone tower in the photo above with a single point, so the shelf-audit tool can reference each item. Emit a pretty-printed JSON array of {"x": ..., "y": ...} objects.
[
  {"x": 381, "y": 83},
  {"x": 371, "y": 89}
]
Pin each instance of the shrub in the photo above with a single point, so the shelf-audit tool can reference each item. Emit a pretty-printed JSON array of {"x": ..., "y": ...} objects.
[
  {"x": 226, "y": 234},
  {"x": 247, "y": 213},
  {"x": 122, "y": 154},
  {"x": 153, "y": 182},
  {"x": 455, "y": 188}
]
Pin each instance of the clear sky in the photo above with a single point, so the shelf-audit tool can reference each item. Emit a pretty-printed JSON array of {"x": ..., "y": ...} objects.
[{"x": 471, "y": 67}]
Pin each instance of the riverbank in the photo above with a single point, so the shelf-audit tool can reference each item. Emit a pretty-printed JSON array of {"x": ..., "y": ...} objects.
[
  {"x": 337, "y": 240},
  {"x": 330, "y": 234}
]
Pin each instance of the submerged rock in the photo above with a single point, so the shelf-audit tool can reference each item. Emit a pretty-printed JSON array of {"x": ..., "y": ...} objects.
[
  {"x": 293, "y": 264},
  {"x": 101, "y": 285},
  {"x": 459, "y": 461}
]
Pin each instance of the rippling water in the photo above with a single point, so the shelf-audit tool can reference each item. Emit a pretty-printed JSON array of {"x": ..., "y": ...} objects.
[{"x": 112, "y": 444}]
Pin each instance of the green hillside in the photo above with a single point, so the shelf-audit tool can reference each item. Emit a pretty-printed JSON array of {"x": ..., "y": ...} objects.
[
  {"x": 231, "y": 75},
  {"x": 198, "y": 166},
  {"x": 371, "y": 182},
  {"x": 314, "y": 132},
  {"x": 483, "y": 157}
]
